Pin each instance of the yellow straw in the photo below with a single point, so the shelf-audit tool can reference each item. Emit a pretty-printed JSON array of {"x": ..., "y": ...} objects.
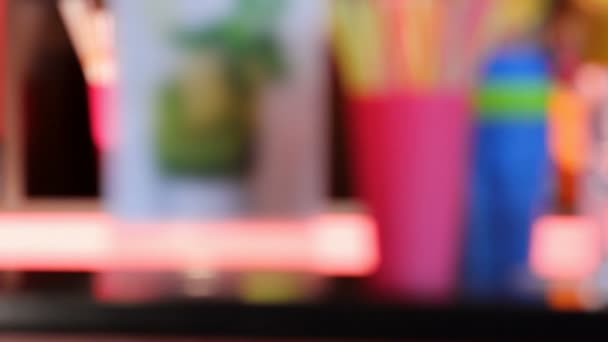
[
  {"x": 411, "y": 41},
  {"x": 391, "y": 20},
  {"x": 438, "y": 17},
  {"x": 358, "y": 44}
]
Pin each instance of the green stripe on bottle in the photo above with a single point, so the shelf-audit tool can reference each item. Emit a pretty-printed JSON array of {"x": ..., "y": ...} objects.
[{"x": 510, "y": 100}]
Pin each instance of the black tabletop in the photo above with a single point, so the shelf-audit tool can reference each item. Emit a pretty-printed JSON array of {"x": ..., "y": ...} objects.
[{"x": 77, "y": 316}]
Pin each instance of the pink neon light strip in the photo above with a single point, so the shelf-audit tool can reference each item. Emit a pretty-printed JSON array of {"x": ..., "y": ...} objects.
[{"x": 329, "y": 245}]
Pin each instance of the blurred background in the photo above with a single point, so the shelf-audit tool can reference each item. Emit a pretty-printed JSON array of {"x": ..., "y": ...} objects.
[{"x": 418, "y": 154}]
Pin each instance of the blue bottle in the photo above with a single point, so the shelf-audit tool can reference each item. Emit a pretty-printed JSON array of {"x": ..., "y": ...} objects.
[{"x": 511, "y": 166}]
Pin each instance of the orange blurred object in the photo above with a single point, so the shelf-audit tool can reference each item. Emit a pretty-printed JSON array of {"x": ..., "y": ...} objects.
[
  {"x": 564, "y": 297},
  {"x": 598, "y": 7},
  {"x": 568, "y": 118}
]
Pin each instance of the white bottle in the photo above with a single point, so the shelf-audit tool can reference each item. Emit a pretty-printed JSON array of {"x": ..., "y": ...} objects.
[{"x": 188, "y": 70}]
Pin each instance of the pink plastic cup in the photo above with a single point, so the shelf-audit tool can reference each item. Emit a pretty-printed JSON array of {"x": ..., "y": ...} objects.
[{"x": 410, "y": 156}]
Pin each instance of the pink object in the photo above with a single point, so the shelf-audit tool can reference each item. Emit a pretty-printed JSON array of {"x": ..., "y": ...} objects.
[
  {"x": 333, "y": 244},
  {"x": 411, "y": 154},
  {"x": 135, "y": 287},
  {"x": 102, "y": 106},
  {"x": 565, "y": 247}
]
